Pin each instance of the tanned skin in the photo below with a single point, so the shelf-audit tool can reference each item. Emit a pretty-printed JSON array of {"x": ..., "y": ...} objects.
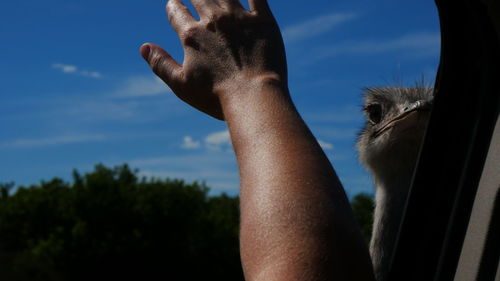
[{"x": 296, "y": 222}]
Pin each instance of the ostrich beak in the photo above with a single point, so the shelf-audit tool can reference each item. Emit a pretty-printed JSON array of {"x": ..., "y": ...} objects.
[
  {"x": 420, "y": 105},
  {"x": 412, "y": 111}
]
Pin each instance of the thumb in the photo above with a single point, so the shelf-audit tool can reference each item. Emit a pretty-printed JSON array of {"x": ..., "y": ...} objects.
[{"x": 162, "y": 64}]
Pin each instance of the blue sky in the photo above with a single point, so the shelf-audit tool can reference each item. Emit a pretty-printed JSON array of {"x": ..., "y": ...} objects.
[{"x": 75, "y": 92}]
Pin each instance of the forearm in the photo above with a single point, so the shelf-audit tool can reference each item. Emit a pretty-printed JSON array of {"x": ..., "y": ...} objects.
[{"x": 296, "y": 222}]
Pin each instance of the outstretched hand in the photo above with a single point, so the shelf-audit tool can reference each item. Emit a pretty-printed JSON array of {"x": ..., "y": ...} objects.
[
  {"x": 229, "y": 49},
  {"x": 296, "y": 222}
]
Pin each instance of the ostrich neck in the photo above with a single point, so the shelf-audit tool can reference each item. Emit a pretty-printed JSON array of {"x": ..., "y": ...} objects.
[{"x": 391, "y": 194}]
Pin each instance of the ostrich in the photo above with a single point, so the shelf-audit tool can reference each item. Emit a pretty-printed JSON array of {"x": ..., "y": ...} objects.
[{"x": 388, "y": 146}]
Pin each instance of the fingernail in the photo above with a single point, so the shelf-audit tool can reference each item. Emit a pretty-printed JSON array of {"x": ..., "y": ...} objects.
[{"x": 145, "y": 49}]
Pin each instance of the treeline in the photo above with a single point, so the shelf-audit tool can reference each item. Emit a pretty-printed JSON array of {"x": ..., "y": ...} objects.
[{"x": 110, "y": 224}]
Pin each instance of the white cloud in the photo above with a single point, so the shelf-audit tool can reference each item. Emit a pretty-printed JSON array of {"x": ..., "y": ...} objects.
[
  {"x": 325, "y": 145},
  {"x": 189, "y": 143},
  {"x": 141, "y": 86},
  {"x": 218, "y": 140},
  {"x": 315, "y": 26},
  {"x": 65, "y": 68},
  {"x": 93, "y": 74},
  {"x": 72, "y": 69},
  {"x": 52, "y": 141},
  {"x": 419, "y": 44}
]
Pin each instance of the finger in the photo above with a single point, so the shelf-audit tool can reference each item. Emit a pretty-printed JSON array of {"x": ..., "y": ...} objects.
[
  {"x": 179, "y": 15},
  {"x": 230, "y": 4},
  {"x": 259, "y": 6},
  {"x": 162, "y": 64},
  {"x": 204, "y": 7}
]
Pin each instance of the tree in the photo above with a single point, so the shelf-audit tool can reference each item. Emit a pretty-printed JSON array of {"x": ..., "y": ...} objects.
[
  {"x": 109, "y": 224},
  {"x": 363, "y": 206}
]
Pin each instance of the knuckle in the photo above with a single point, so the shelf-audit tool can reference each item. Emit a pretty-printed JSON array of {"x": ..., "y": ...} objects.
[
  {"x": 221, "y": 20},
  {"x": 221, "y": 16},
  {"x": 225, "y": 17},
  {"x": 209, "y": 25},
  {"x": 156, "y": 63},
  {"x": 190, "y": 31},
  {"x": 188, "y": 35}
]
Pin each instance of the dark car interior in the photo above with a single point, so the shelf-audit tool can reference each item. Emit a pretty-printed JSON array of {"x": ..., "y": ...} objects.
[{"x": 451, "y": 226}]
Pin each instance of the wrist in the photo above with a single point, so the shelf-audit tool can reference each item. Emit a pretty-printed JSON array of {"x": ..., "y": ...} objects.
[
  {"x": 259, "y": 111},
  {"x": 244, "y": 90}
]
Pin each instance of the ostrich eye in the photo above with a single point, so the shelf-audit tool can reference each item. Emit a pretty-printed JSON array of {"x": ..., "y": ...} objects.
[{"x": 374, "y": 112}]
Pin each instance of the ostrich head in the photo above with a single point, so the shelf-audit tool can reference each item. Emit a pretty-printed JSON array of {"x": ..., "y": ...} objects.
[
  {"x": 396, "y": 119},
  {"x": 388, "y": 146}
]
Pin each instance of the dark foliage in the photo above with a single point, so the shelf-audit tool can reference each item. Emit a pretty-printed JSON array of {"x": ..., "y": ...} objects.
[
  {"x": 111, "y": 225},
  {"x": 363, "y": 205}
]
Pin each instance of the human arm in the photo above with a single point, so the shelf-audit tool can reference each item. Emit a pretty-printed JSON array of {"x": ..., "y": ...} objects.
[{"x": 296, "y": 222}]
